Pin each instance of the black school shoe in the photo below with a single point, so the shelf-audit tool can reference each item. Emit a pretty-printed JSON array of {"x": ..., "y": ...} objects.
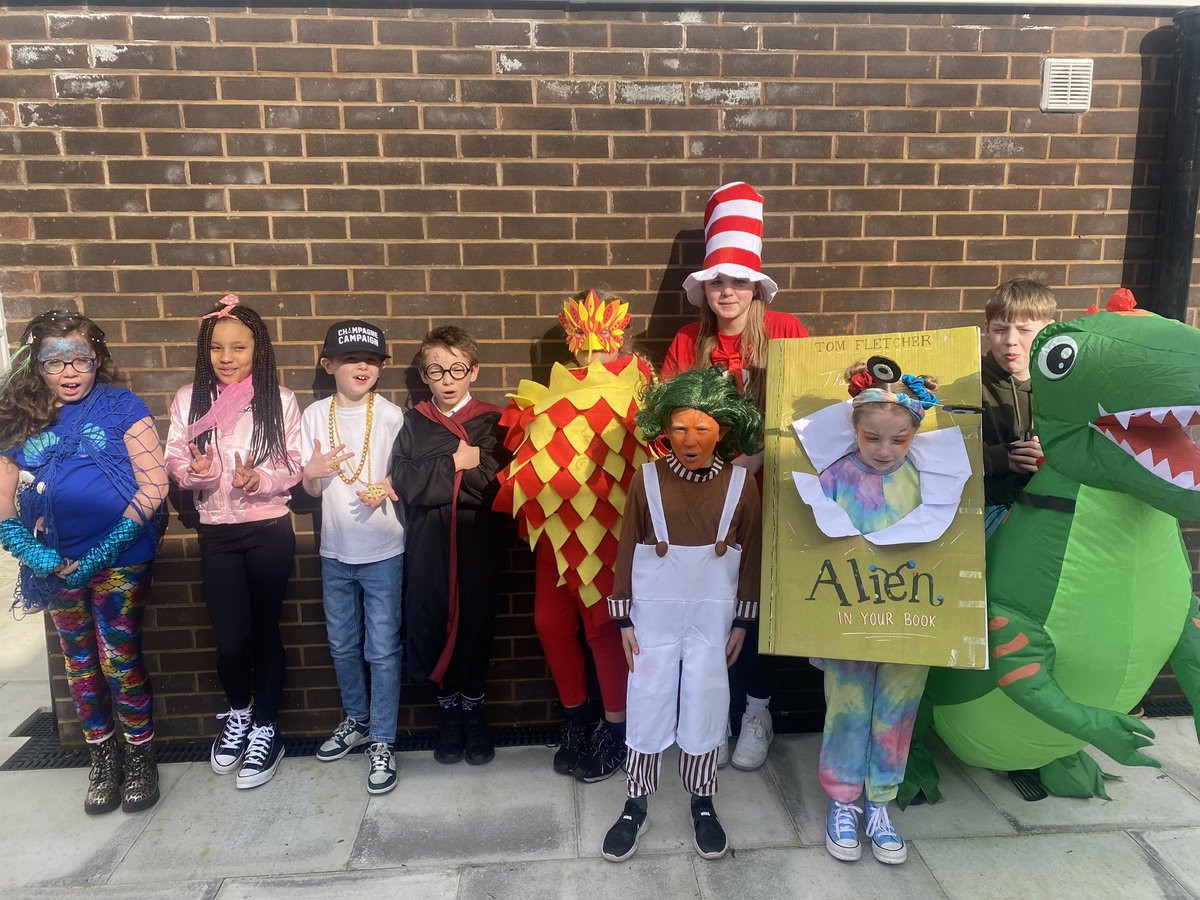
[
  {"x": 571, "y": 744},
  {"x": 605, "y": 753},
  {"x": 449, "y": 746},
  {"x": 621, "y": 842},
  {"x": 480, "y": 748},
  {"x": 710, "y": 840}
]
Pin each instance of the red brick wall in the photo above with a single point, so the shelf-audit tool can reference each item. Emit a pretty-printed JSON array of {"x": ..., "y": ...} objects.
[{"x": 425, "y": 165}]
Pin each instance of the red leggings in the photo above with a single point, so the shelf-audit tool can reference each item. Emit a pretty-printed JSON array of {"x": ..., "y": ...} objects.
[{"x": 556, "y": 613}]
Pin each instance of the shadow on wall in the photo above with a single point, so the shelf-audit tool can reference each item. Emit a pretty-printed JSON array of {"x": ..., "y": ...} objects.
[{"x": 1141, "y": 226}]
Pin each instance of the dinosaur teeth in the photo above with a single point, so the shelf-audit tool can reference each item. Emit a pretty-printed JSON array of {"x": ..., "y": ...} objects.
[
  {"x": 1160, "y": 413},
  {"x": 1185, "y": 479}
]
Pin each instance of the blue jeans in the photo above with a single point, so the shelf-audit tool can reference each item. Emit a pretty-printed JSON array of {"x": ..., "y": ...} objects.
[{"x": 358, "y": 595}]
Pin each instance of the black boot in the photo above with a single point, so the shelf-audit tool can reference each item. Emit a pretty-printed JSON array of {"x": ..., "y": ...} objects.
[
  {"x": 449, "y": 747},
  {"x": 574, "y": 739},
  {"x": 141, "y": 778},
  {"x": 604, "y": 754},
  {"x": 480, "y": 748},
  {"x": 105, "y": 778}
]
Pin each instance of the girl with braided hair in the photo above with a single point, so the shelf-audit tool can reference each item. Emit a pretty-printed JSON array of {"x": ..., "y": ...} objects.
[
  {"x": 235, "y": 442},
  {"x": 82, "y": 484},
  {"x": 685, "y": 590}
]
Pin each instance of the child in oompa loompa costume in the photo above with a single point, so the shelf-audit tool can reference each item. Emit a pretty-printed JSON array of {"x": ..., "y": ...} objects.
[
  {"x": 686, "y": 587},
  {"x": 576, "y": 446}
]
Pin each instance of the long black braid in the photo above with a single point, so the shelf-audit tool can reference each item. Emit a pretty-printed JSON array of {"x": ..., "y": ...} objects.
[{"x": 266, "y": 409}]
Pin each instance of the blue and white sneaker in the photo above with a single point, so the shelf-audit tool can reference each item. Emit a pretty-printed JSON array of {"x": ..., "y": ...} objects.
[
  {"x": 841, "y": 831},
  {"x": 886, "y": 843}
]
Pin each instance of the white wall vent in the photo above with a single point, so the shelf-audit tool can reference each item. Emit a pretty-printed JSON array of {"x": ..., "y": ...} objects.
[{"x": 1067, "y": 85}]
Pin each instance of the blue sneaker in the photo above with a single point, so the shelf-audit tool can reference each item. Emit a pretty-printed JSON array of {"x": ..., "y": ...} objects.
[
  {"x": 841, "y": 831},
  {"x": 886, "y": 843}
]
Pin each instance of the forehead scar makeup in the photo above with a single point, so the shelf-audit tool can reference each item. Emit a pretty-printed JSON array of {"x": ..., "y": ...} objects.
[{"x": 71, "y": 346}]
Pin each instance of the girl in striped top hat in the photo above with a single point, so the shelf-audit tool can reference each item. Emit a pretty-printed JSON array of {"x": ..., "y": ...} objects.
[{"x": 732, "y": 294}]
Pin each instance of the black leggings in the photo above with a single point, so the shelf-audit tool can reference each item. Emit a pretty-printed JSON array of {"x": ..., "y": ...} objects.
[{"x": 245, "y": 569}]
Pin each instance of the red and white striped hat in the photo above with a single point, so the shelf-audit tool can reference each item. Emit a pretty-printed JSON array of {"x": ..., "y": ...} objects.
[{"x": 733, "y": 228}]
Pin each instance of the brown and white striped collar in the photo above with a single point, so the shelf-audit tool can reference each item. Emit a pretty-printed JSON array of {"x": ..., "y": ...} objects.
[{"x": 686, "y": 474}]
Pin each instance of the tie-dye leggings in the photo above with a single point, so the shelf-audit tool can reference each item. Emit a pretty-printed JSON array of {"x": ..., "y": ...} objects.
[
  {"x": 100, "y": 629},
  {"x": 869, "y": 713}
]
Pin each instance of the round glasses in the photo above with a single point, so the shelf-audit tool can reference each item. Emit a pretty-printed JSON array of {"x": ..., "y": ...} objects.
[
  {"x": 458, "y": 371},
  {"x": 81, "y": 364}
]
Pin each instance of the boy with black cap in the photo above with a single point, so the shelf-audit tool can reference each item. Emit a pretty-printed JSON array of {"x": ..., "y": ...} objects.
[{"x": 347, "y": 440}]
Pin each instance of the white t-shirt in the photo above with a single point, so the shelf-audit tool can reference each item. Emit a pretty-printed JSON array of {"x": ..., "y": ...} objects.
[{"x": 351, "y": 532}]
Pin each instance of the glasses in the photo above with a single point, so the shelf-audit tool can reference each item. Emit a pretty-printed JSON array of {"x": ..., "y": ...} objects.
[
  {"x": 458, "y": 371},
  {"x": 81, "y": 364}
]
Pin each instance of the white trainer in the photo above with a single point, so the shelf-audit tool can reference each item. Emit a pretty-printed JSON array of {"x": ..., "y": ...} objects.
[{"x": 753, "y": 743}]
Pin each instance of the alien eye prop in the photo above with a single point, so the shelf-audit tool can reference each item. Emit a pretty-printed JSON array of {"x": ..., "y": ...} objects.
[
  {"x": 883, "y": 370},
  {"x": 1057, "y": 356}
]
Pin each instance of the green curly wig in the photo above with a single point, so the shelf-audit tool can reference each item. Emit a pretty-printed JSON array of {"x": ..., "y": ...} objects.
[{"x": 712, "y": 392}]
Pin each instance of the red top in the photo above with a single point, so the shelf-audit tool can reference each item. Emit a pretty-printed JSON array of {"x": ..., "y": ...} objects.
[{"x": 681, "y": 355}]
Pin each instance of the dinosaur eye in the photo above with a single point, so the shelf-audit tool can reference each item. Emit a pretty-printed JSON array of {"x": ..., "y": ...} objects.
[{"x": 1057, "y": 356}]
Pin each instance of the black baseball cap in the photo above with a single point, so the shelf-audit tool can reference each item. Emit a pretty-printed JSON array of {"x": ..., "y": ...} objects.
[{"x": 354, "y": 336}]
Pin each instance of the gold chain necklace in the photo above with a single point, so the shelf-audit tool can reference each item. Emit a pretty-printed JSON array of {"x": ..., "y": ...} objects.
[{"x": 335, "y": 440}]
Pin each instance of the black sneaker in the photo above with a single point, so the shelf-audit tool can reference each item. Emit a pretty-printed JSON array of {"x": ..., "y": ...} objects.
[
  {"x": 264, "y": 752},
  {"x": 449, "y": 746},
  {"x": 480, "y": 748},
  {"x": 622, "y": 839},
  {"x": 571, "y": 745},
  {"x": 605, "y": 754},
  {"x": 710, "y": 839},
  {"x": 230, "y": 745}
]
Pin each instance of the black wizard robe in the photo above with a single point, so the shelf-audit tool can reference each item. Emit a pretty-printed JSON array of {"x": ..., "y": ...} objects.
[{"x": 450, "y": 540}]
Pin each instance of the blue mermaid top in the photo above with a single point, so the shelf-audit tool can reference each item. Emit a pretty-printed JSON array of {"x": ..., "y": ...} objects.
[{"x": 82, "y": 477}]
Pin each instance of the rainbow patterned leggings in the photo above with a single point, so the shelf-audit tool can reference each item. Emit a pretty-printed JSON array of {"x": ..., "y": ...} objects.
[{"x": 100, "y": 629}]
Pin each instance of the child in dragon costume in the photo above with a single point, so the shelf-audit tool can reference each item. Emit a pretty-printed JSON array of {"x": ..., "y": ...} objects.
[
  {"x": 1089, "y": 583},
  {"x": 576, "y": 447}
]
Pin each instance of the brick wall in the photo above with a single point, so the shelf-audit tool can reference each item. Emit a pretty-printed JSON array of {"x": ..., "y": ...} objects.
[{"x": 419, "y": 165}]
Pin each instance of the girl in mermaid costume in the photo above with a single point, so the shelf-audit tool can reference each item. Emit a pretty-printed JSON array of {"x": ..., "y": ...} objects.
[{"x": 82, "y": 484}]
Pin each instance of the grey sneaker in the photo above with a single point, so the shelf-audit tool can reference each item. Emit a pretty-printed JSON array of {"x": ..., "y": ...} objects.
[
  {"x": 345, "y": 738},
  {"x": 382, "y": 777}
]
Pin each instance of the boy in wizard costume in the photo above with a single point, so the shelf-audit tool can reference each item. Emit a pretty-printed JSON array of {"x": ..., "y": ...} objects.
[
  {"x": 576, "y": 446},
  {"x": 443, "y": 469},
  {"x": 686, "y": 588}
]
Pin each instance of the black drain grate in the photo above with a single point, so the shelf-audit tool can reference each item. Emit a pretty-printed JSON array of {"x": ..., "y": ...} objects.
[{"x": 43, "y": 751}]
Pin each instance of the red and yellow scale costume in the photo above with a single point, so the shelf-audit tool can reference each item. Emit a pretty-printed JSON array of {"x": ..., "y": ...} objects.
[{"x": 575, "y": 448}]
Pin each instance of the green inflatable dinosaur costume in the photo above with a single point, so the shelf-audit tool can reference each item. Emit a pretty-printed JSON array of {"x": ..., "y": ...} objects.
[{"x": 1089, "y": 584}]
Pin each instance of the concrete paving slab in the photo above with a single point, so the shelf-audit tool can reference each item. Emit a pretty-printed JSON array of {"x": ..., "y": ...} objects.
[
  {"x": 641, "y": 878},
  {"x": 303, "y": 820},
  {"x": 513, "y": 808},
  {"x": 57, "y": 844},
  {"x": 1143, "y": 796},
  {"x": 1048, "y": 866},
  {"x": 1175, "y": 850},
  {"x": 24, "y": 641},
  {"x": 439, "y": 884},
  {"x": 811, "y": 872},
  {"x": 18, "y": 700},
  {"x": 1175, "y": 747},
  {"x": 964, "y": 811},
  {"x": 181, "y": 890},
  {"x": 746, "y": 802}
]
